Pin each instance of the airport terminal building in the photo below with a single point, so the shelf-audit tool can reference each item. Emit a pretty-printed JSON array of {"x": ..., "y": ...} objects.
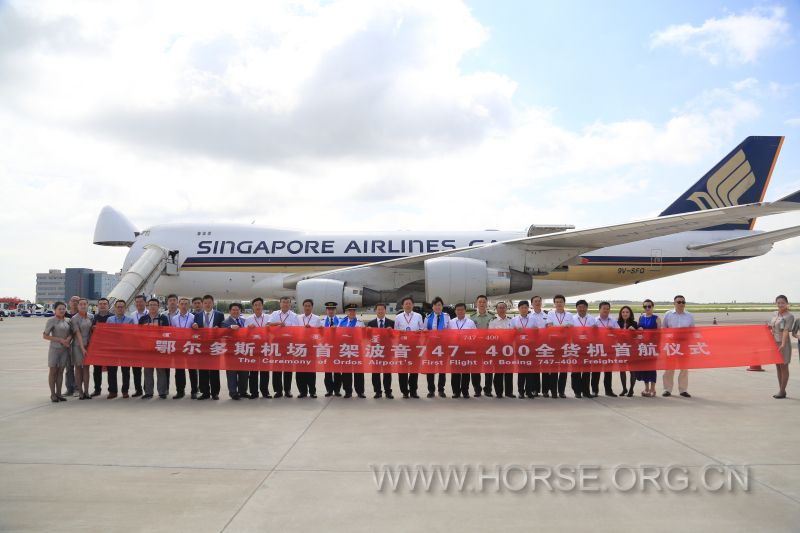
[{"x": 55, "y": 285}]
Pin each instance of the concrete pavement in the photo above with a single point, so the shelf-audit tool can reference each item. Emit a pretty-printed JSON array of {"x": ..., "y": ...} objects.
[{"x": 290, "y": 464}]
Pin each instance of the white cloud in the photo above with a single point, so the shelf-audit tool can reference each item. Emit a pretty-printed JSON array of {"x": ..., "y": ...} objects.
[
  {"x": 348, "y": 116},
  {"x": 736, "y": 38},
  {"x": 794, "y": 122}
]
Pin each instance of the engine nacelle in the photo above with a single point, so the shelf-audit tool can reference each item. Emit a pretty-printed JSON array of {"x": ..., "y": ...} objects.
[
  {"x": 461, "y": 279},
  {"x": 332, "y": 290}
]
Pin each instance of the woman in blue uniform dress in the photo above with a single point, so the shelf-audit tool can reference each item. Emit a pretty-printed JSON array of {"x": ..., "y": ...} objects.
[{"x": 648, "y": 321}]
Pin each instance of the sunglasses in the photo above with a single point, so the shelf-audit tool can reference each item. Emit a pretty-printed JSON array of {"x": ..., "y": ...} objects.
[
  {"x": 680, "y": 302},
  {"x": 647, "y": 306}
]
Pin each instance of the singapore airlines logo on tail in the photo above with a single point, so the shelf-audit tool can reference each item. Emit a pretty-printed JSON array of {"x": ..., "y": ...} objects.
[{"x": 727, "y": 185}]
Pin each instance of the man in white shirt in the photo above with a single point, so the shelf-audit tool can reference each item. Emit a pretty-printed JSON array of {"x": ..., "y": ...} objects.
[
  {"x": 677, "y": 318},
  {"x": 604, "y": 320},
  {"x": 539, "y": 318},
  {"x": 581, "y": 381},
  {"x": 524, "y": 321},
  {"x": 460, "y": 382},
  {"x": 503, "y": 382},
  {"x": 283, "y": 317},
  {"x": 183, "y": 319},
  {"x": 556, "y": 382},
  {"x": 258, "y": 381},
  {"x": 352, "y": 380},
  {"x": 307, "y": 381},
  {"x": 408, "y": 320}
]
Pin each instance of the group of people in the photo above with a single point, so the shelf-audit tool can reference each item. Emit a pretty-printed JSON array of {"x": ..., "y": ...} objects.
[{"x": 70, "y": 330}]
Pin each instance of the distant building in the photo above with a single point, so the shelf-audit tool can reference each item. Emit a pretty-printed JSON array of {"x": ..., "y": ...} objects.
[
  {"x": 84, "y": 282},
  {"x": 50, "y": 286}
]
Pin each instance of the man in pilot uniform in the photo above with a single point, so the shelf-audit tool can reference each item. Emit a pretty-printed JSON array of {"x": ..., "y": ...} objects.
[{"x": 333, "y": 380}]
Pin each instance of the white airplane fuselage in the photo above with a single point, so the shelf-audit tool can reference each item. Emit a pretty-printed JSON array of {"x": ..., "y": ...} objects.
[{"x": 238, "y": 262}]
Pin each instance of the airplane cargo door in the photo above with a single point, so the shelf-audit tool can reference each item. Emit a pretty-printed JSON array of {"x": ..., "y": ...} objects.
[{"x": 656, "y": 259}]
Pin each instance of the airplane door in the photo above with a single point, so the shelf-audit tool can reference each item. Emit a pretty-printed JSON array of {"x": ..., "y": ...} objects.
[{"x": 656, "y": 259}]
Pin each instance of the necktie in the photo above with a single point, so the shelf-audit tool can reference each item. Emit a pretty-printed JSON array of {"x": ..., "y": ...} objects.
[{"x": 380, "y": 324}]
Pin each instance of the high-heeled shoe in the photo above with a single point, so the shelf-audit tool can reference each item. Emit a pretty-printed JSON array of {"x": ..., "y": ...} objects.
[
  {"x": 61, "y": 398},
  {"x": 54, "y": 398}
]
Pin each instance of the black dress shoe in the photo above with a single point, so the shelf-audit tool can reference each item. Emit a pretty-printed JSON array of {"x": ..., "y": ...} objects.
[
  {"x": 456, "y": 395},
  {"x": 578, "y": 395},
  {"x": 546, "y": 394},
  {"x": 137, "y": 394},
  {"x": 289, "y": 395},
  {"x": 236, "y": 397},
  {"x": 488, "y": 393},
  {"x": 328, "y": 394},
  {"x": 360, "y": 395},
  {"x": 686, "y": 395},
  {"x": 348, "y": 395},
  {"x": 204, "y": 397},
  {"x": 624, "y": 392},
  {"x": 510, "y": 395},
  {"x": 389, "y": 396},
  {"x": 405, "y": 395},
  {"x": 666, "y": 393},
  {"x": 194, "y": 396},
  {"x": 521, "y": 396},
  {"x": 266, "y": 395},
  {"x": 442, "y": 394},
  {"x": 465, "y": 395},
  {"x": 215, "y": 397},
  {"x": 337, "y": 393},
  {"x": 535, "y": 394},
  {"x": 179, "y": 395},
  {"x": 162, "y": 396},
  {"x": 431, "y": 394},
  {"x": 529, "y": 395},
  {"x": 378, "y": 395},
  {"x": 561, "y": 395},
  {"x": 499, "y": 396},
  {"x": 477, "y": 394},
  {"x": 415, "y": 395},
  {"x": 279, "y": 394},
  {"x": 302, "y": 395},
  {"x": 146, "y": 396},
  {"x": 313, "y": 394},
  {"x": 611, "y": 394},
  {"x": 96, "y": 393}
]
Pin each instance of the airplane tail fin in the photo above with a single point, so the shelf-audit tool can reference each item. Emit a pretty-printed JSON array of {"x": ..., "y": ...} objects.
[{"x": 741, "y": 177}]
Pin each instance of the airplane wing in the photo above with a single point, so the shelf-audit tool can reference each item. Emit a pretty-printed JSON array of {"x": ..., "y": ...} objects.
[
  {"x": 554, "y": 249},
  {"x": 730, "y": 245}
]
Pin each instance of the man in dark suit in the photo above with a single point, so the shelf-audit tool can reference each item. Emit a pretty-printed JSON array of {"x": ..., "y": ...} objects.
[
  {"x": 208, "y": 318},
  {"x": 237, "y": 379},
  {"x": 381, "y": 322}
]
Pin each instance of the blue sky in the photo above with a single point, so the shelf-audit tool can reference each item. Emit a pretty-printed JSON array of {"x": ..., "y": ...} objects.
[{"x": 510, "y": 113}]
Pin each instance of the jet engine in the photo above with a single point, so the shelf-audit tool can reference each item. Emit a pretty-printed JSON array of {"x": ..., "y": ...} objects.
[{"x": 460, "y": 279}]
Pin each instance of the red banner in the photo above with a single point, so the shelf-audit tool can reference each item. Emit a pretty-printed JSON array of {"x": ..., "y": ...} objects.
[{"x": 366, "y": 350}]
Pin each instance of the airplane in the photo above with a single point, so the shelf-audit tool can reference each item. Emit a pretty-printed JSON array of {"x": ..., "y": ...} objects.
[{"x": 708, "y": 225}]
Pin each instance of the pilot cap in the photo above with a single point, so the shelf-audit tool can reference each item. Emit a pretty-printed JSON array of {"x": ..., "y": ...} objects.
[
  {"x": 331, "y": 305},
  {"x": 350, "y": 306}
]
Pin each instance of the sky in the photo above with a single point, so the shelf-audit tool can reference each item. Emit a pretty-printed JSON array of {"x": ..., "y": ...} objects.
[{"x": 340, "y": 116}]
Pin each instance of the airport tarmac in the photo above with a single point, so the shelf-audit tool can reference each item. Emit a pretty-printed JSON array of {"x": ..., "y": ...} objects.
[{"x": 291, "y": 464}]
